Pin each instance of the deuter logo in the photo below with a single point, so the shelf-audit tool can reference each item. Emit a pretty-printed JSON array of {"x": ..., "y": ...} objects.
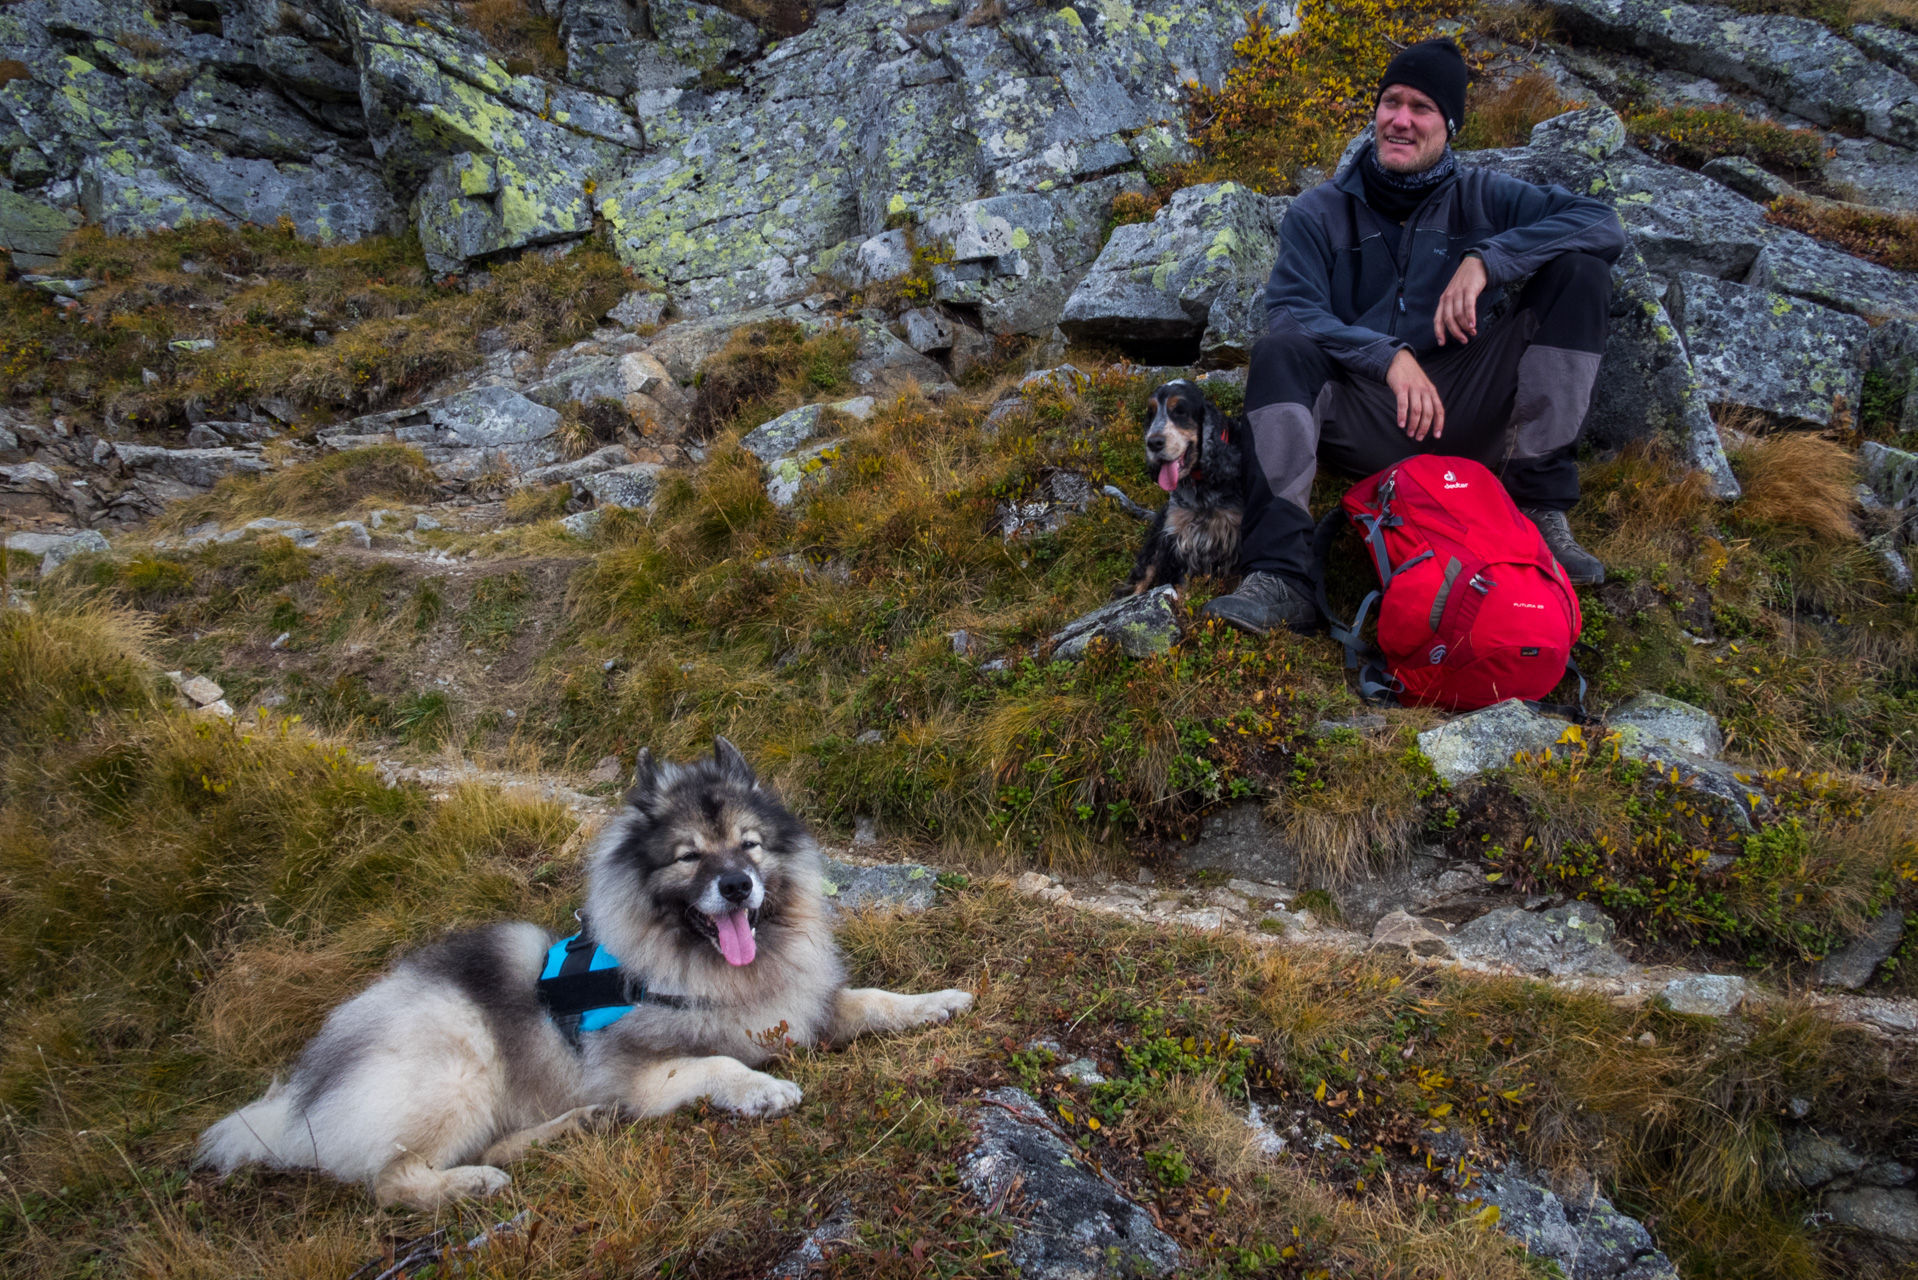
[
  {"x": 1453, "y": 482},
  {"x": 1450, "y": 477},
  {"x": 1438, "y": 654}
]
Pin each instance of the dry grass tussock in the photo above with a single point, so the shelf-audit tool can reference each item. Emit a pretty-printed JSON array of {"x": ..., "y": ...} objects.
[
  {"x": 1504, "y": 116},
  {"x": 337, "y": 485},
  {"x": 180, "y": 901},
  {"x": 1355, "y": 802}
]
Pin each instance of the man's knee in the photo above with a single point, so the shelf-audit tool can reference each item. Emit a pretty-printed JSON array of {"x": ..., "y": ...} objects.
[
  {"x": 1577, "y": 274},
  {"x": 1293, "y": 353}
]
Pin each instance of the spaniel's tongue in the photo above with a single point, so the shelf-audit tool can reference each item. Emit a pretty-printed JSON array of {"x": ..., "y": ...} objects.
[
  {"x": 736, "y": 938},
  {"x": 1169, "y": 476}
]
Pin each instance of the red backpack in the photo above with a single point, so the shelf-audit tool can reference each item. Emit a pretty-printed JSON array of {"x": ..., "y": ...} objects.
[{"x": 1473, "y": 609}]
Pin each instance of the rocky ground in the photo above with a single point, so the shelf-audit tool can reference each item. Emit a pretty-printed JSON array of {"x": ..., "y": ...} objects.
[{"x": 920, "y": 209}]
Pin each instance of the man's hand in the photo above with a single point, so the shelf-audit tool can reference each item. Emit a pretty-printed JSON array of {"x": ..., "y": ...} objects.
[
  {"x": 1421, "y": 412},
  {"x": 1457, "y": 312}
]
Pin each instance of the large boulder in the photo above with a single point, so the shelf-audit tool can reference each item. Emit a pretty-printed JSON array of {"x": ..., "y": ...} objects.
[
  {"x": 1766, "y": 351},
  {"x": 1584, "y": 1235},
  {"x": 1798, "y": 64},
  {"x": 1154, "y": 285}
]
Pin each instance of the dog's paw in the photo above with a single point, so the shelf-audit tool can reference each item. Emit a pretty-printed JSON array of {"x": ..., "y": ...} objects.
[
  {"x": 759, "y": 1094},
  {"x": 473, "y": 1182},
  {"x": 939, "y": 1006}
]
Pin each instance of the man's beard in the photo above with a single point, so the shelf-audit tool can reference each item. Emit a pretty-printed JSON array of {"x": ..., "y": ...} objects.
[{"x": 1424, "y": 161}]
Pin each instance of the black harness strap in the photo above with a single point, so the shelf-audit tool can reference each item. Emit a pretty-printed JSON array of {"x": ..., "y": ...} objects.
[{"x": 577, "y": 990}]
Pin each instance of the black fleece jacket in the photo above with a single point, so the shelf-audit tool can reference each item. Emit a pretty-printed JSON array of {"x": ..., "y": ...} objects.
[{"x": 1363, "y": 299}]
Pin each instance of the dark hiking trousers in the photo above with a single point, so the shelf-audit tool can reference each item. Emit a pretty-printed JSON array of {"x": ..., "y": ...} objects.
[{"x": 1515, "y": 398}]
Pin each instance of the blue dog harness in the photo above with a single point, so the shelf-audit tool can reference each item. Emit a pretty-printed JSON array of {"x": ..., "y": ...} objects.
[{"x": 583, "y": 988}]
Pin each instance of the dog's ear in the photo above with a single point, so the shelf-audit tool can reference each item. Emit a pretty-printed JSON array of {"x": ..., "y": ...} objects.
[
  {"x": 645, "y": 783},
  {"x": 732, "y": 763}
]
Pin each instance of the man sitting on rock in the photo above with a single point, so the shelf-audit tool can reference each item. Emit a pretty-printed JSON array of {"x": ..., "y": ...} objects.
[{"x": 1387, "y": 339}]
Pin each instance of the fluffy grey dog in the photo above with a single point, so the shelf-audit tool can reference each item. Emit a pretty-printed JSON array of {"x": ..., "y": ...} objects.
[{"x": 707, "y": 892}]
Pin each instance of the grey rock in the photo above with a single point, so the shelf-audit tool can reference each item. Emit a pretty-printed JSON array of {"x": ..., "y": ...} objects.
[
  {"x": 1082, "y": 1071},
  {"x": 1401, "y": 933},
  {"x": 1891, "y": 473},
  {"x": 355, "y": 533},
  {"x": 774, "y": 440},
  {"x": 701, "y": 35},
  {"x": 886, "y": 256},
  {"x": 1895, "y": 48},
  {"x": 1683, "y": 221},
  {"x": 1647, "y": 386},
  {"x": 1887, "y": 1173},
  {"x": 423, "y": 523},
  {"x": 1853, "y": 965},
  {"x": 1053, "y": 502},
  {"x": 633, "y": 486},
  {"x": 1240, "y": 842},
  {"x": 1812, "y": 1159},
  {"x": 1887, "y": 1213},
  {"x": 489, "y": 417},
  {"x": 197, "y": 468},
  {"x": 1795, "y": 63},
  {"x": 800, "y": 1261},
  {"x": 1651, "y": 719},
  {"x": 33, "y": 231},
  {"x": 1564, "y": 941},
  {"x": 1584, "y": 1234},
  {"x": 1706, "y": 995},
  {"x": 1140, "y": 625},
  {"x": 1804, "y": 268},
  {"x": 1766, "y": 351},
  {"x": 1068, "y": 1222},
  {"x": 902, "y": 886},
  {"x": 204, "y": 437},
  {"x": 1488, "y": 739},
  {"x": 613, "y": 455},
  {"x": 198, "y": 690},
  {"x": 55, "y": 549},
  {"x": 637, "y": 309},
  {"x": 599, "y": 377},
  {"x": 927, "y": 330},
  {"x": 786, "y": 476},
  {"x": 580, "y": 524},
  {"x": 1155, "y": 283},
  {"x": 885, "y": 364},
  {"x": 1746, "y": 178}
]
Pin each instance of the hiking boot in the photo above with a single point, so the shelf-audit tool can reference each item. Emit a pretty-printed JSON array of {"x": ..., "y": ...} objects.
[
  {"x": 1580, "y": 565},
  {"x": 1262, "y": 602}
]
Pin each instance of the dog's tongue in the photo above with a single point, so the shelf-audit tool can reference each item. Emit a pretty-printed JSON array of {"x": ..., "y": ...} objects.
[
  {"x": 1169, "y": 476},
  {"x": 736, "y": 938}
]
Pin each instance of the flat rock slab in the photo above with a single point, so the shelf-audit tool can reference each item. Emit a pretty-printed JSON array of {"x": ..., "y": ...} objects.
[
  {"x": 1488, "y": 739},
  {"x": 1565, "y": 941},
  {"x": 55, "y": 549},
  {"x": 902, "y": 886},
  {"x": 1140, "y": 625},
  {"x": 1890, "y": 1213},
  {"x": 1071, "y": 1223},
  {"x": 1804, "y": 268},
  {"x": 1768, "y": 351}
]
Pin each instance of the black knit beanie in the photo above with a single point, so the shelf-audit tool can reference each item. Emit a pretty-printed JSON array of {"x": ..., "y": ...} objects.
[{"x": 1435, "y": 68}]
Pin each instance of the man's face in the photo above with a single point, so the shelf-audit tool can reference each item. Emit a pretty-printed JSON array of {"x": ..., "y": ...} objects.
[{"x": 1409, "y": 130}]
